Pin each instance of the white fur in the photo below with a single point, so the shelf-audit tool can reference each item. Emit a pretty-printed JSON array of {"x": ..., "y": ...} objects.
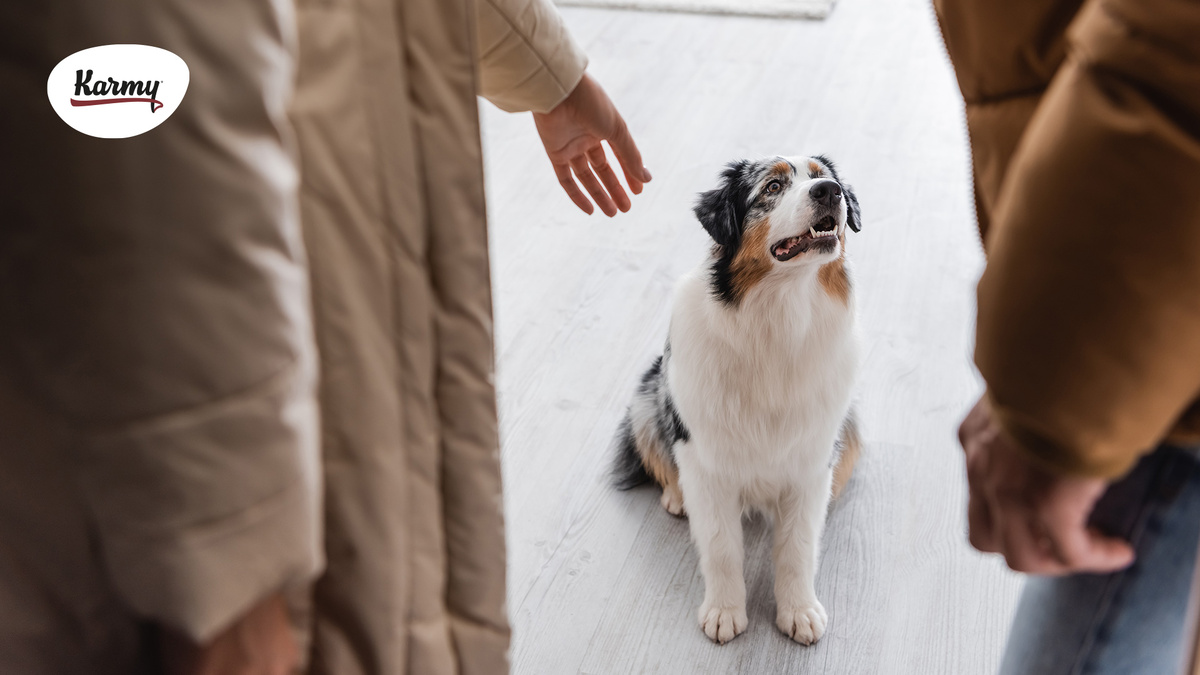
[{"x": 763, "y": 388}]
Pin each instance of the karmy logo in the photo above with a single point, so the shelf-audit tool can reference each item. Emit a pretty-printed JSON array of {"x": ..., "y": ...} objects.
[{"x": 117, "y": 91}]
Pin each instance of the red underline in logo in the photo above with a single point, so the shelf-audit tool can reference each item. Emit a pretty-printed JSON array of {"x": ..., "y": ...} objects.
[{"x": 155, "y": 104}]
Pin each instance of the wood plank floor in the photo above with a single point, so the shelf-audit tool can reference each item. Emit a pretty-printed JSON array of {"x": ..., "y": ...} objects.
[{"x": 607, "y": 582}]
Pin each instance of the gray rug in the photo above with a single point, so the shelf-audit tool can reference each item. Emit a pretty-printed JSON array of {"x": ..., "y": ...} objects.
[{"x": 791, "y": 9}]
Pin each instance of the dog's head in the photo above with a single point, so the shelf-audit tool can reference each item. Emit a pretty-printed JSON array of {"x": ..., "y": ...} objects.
[{"x": 773, "y": 216}]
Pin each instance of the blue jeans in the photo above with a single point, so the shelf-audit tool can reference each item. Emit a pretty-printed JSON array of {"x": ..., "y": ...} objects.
[{"x": 1130, "y": 622}]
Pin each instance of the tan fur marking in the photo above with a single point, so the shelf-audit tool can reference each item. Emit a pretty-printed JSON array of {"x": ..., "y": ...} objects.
[
  {"x": 658, "y": 464},
  {"x": 753, "y": 260},
  {"x": 660, "y": 468},
  {"x": 834, "y": 278},
  {"x": 782, "y": 167},
  {"x": 851, "y": 449},
  {"x": 655, "y": 458},
  {"x": 815, "y": 170}
]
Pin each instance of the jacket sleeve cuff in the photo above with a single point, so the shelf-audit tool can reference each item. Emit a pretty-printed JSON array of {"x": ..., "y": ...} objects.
[
  {"x": 210, "y": 509},
  {"x": 1054, "y": 456},
  {"x": 528, "y": 59}
]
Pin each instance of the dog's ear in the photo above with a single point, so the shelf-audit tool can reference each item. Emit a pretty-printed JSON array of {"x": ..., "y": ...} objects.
[
  {"x": 853, "y": 213},
  {"x": 722, "y": 210},
  {"x": 719, "y": 216}
]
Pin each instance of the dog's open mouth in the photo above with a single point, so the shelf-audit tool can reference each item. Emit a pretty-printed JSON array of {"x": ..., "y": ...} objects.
[{"x": 821, "y": 235}]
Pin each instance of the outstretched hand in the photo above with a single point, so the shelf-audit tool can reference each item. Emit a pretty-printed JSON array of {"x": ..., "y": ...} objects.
[
  {"x": 1035, "y": 518},
  {"x": 573, "y": 133}
]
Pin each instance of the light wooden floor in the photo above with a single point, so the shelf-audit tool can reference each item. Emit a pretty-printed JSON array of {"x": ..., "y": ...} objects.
[{"x": 607, "y": 582}]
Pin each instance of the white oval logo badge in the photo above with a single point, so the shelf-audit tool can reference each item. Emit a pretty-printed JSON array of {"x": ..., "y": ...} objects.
[{"x": 117, "y": 91}]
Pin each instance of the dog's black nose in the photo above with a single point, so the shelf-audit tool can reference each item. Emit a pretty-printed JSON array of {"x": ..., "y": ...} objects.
[{"x": 826, "y": 192}]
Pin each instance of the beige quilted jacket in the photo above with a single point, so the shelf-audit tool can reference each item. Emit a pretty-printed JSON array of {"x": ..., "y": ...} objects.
[{"x": 172, "y": 448}]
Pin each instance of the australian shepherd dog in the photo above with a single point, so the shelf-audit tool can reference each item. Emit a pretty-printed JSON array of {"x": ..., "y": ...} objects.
[{"x": 749, "y": 405}]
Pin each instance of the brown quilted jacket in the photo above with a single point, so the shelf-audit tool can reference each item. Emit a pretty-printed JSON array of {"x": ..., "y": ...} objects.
[{"x": 1084, "y": 119}]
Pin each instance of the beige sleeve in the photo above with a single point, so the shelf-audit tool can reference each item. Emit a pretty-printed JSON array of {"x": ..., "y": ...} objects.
[
  {"x": 528, "y": 59},
  {"x": 154, "y": 302}
]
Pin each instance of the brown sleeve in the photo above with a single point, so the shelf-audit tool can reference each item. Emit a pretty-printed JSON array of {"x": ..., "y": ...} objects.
[
  {"x": 1004, "y": 55},
  {"x": 528, "y": 59},
  {"x": 1089, "y": 310}
]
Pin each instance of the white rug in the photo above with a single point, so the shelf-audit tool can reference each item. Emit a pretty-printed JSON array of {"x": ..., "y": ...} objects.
[{"x": 790, "y": 9}]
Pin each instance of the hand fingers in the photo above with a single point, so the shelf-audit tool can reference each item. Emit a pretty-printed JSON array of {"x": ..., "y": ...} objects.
[
  {"x": 600, "y": 166},
  {"x": 1026, "y": 548},
  {"x": 975, "y": 421},
  {"x": 1033, "y": 549},
  {"x": 1108, "y": 554},
  {"x": 629, "y": 157},
  {"x": 981, "y": 532},
  {"x": 1040, "y": 541},
  {"x": 260, "y": 641},
  {"x": 567, "y": 181},
  {"x": 1078, "y": 547},
  {"x": 1088, "y": 550},
  {"x": 1036, "y": 521},
  {"x": 583, "y": 172}
]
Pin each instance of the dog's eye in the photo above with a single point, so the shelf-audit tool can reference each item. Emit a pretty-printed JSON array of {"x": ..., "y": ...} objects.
[{"x": 773, "y": 187}]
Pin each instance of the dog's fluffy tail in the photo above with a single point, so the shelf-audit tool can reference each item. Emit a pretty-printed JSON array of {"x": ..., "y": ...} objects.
[
  {"x": 628, "y": 471},
  {"x": 647, "y": 436}
]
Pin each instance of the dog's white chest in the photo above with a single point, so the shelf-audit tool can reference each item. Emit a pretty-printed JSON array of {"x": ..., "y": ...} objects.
[{"x": 769, "y": 380}]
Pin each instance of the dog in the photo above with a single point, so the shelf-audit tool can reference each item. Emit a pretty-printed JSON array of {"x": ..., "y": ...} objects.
[{"x": 749, "y": 406}]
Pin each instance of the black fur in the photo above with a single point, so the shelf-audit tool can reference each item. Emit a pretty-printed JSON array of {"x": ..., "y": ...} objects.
[
  {"x": 628, "y": 470},
  {"x": 721, "y": 273},
  {"x": 853, "y": 212},
  {"x": 722, "y": 212},
  {"x": 670, "y": 425}
]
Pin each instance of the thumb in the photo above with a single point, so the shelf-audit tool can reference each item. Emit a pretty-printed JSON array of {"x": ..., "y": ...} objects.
[
  {"x": 1103, "y": 553},
  {"x": 628, "y": 156}
]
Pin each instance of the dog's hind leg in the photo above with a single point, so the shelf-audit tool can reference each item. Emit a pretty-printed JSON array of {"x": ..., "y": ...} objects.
[
  {"x": 672, "y": 496},
  {"x": 849, "y": 448},
  {"x": 657, "y": 458},
  {"x": 648, "y": 436},
  {"x": 672, "y": 499}
]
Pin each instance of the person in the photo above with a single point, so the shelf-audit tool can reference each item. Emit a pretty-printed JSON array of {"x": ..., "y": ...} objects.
[
  {"x": 1081, "y": 456},
  {"x": 247, "y": 420},
  {"x": 393, "y": 210}
]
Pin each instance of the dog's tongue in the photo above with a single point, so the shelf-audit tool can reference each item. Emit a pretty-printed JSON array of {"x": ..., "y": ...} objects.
[{"x": 786, "y": 246}]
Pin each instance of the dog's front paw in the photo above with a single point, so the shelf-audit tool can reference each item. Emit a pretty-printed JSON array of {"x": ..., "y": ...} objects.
[
  {"x": 804, "y": 622},
  {"x": 672, "y": 500},
  {"x": 722, "y": 624}
]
